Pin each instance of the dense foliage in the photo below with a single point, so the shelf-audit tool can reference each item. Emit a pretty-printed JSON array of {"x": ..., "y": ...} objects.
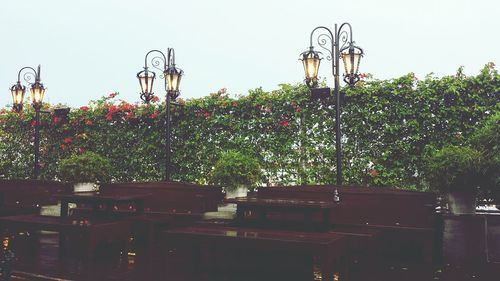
[
  {"x": 487, "y": 140},
  {"x": 235, "y": 169},
  {"x": 83, "y": 168},
  {"x": 388, "y": 127},
  {"x": 455, "y": 168}
]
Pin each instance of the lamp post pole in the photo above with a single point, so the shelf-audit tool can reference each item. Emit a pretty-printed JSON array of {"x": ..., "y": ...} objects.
[
  {"x": 36, "y": 168},
  {"x": 342, "y": 46},
  {"x": 168, "y": 136},
  {"x": 172, "y": 76}
]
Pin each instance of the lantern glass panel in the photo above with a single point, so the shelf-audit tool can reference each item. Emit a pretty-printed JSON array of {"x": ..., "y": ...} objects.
[
  {"x": 37, "y": 93},
  {"x": 311, "y": 67},
  {"x": 17, "y": 95},
  {"x": 173, "y": 81},
  {"x": 351, "y": 62},
  {"x": 146, "y": 82}
]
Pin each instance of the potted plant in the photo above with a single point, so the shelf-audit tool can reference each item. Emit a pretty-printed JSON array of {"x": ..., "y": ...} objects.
[
  {"x": 85, "y": 170},
  {"x": 456, "y": 171},
  {"x": 236, "y": 172}
]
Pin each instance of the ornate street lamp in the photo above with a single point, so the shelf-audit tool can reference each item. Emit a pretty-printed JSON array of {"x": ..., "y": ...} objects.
[
  {"x": 37, "y": 91},
  {"x": 341, "y": 46},
  {"x": 172, "y": 76}
]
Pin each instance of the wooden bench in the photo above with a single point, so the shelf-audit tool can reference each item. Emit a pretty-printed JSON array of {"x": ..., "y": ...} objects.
[
  {"x": 327, "y": 247},
  {"x": 167, "y": 204},
  {"x": 28, "y": 196},
  {"x": 406, "y": 219},
  {"x": 88, "y": 234},
  {"x": 172, "y": 196}
]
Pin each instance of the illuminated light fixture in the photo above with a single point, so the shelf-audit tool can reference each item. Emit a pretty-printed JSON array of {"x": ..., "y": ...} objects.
[{"x": 311, "y": 61}]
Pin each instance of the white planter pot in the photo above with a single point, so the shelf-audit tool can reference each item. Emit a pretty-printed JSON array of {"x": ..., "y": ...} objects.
[
  {"x": 84, "y": 187},
  {"x": 238, "y": 192},
  {"x": 462, "y": 202}
]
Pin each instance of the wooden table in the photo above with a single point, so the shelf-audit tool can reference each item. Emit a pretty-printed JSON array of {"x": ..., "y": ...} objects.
[
  {"x": 264, "y": 205},
  {"x": 328, "y": 247},
  {"x": 88, "y": 232},
  {"x": 97, "y": 199}
]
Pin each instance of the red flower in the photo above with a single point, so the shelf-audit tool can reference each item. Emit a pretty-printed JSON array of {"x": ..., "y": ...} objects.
[
  {"x": 155, "y": 99},
  {"x": 154, "y": 115},
  {"x": 81, "y": 150},
  {"x": 84, "y": 108},
  {"x": 298, "y": 109},
  {"x": 112, "y": 95},
  {"x": 259, "y": 107},
  {"x": 206, "y": 114},
  {"x": 109, "y": 116},
  {"x": 284, "y": 123},
  {"x": 67, "y": 140},
  {"x": 89, "y": 123},
  {"x": 33, "y": 123},
  {"x": 130, "y": 115},
  {"x": 112, "y": 109},
  {"x": 63, "y": 146},
  {"x": 126, "y": 106},
  {"x": 56, "y": 120}
]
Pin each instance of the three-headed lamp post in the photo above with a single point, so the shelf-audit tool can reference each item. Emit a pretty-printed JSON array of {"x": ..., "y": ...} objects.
[
  {"x": 338, "y": 44},
  {"x": 172, "y": 76}
]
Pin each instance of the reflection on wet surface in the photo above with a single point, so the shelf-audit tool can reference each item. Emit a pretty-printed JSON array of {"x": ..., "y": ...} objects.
[{"x": 42, "y": 259}]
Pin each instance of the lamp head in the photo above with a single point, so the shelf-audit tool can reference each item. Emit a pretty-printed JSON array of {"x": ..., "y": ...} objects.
[
  {"x": 17, "y": 91},
  {"x": 351, "y": 56},
  {"x": 311, "y": 61},
  {"x": 146, "y": 79},
  {"x": 173, "y": 77},
  {"x": 37, "y": 93}
]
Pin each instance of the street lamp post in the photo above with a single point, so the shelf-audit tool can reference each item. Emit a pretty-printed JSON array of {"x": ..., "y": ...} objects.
[
  {"x": 37, "y": 91},
  {"x": 341, "y": 46},
  {"x": 172, "y": 76}
]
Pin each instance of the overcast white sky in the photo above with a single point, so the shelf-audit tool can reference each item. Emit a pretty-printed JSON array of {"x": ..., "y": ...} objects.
[{"x": 90, "y": 48}]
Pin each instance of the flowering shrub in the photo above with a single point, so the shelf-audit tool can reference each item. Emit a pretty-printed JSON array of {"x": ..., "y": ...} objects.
[{"x": 387, "y": 126}]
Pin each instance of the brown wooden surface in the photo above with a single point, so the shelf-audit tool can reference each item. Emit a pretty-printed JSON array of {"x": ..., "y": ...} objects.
[
  {"x": 172, "y": 196},
  {"x": 328, "y": 247},
  {"x": 366, "y": 206},
  {"x": 262, "y": 206},
  {"x": 27, "y": 196},
  {"x": 96, "y": 199},
  {"x": 406, "y": 219},
  {"x": 89, "y": 232},
  {"x": 282, "y": 202}
]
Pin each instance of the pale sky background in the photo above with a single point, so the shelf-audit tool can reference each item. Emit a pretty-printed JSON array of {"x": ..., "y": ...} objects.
[{"x": 90, "y": 48}]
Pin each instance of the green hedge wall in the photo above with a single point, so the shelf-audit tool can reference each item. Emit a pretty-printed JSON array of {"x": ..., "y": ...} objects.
[{"x": 388, "y": 127}]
